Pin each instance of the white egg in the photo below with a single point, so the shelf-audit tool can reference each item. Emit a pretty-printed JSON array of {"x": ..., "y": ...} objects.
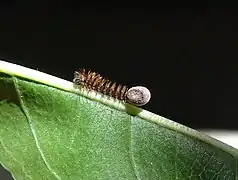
[{"x": 138, "y": 95}]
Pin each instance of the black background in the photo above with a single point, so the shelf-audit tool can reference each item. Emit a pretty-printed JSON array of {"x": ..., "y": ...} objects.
[{"x": 186, "y": 56}]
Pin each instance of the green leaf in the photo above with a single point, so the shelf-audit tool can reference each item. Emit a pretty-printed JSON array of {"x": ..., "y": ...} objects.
[{"x": 50, "y": 129}]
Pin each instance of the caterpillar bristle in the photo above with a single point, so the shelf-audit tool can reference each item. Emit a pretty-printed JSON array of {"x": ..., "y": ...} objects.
[
  {"x": 137, "y": 95},
  {"x": 94, "y": 81}
]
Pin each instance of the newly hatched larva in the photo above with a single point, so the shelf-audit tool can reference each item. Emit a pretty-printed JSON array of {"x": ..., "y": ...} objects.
[{"x": 137, "y": 95}]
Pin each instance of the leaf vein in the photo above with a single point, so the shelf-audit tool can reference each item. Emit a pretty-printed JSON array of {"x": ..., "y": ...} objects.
[
  {"x": 25, "y": 112},
  {"x": 133, "y": 163}
]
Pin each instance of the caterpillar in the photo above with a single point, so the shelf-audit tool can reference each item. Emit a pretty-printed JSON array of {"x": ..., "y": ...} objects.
[{"x": 137, "y": 95}]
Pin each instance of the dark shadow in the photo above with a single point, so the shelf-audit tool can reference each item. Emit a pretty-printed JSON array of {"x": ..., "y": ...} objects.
[
  {"x": 7, "y": 90},
  {"x": 4, "y": 174}
]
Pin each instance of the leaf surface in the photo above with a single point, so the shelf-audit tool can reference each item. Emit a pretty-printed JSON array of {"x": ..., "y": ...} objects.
[{"x": 50, "y": 129}]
